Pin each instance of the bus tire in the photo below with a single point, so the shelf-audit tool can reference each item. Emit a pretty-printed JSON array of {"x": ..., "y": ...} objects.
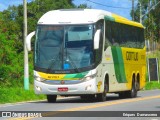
[
  {"x": 133, "y": 92},
  {"x": 138, "y": 82},
  {"x": 51, "y": 98},
  {"x": 101, "y": 97}
]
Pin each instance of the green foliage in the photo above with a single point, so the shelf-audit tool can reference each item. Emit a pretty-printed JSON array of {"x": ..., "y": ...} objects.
[
  {"x": 11, "y": 68},
  {"x": 150, "y": 20},
  {"x": 17, "y": 94},
  {"x": 152, "y": 85},
  {"x": 83, "y": 6}
]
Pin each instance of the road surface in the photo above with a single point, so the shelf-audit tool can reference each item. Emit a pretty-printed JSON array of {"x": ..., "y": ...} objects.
[{"x": 146, "y": 104}]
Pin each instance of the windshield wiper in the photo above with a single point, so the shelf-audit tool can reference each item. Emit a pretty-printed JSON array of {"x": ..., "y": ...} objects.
[{"x": 53, "y": 63}]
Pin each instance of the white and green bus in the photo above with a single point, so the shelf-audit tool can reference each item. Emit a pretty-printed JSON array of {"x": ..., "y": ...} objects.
[{"x": 88, "y": 53}]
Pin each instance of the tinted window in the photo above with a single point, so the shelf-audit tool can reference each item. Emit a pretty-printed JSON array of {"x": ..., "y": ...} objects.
[{"x": 123, "y": 35}]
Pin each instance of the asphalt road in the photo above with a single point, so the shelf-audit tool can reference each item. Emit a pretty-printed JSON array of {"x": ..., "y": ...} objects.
[{"x": 147, "y": 103}]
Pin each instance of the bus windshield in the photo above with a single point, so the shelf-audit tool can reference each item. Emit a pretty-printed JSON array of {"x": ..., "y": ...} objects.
[{"x": 67, "y": 47}]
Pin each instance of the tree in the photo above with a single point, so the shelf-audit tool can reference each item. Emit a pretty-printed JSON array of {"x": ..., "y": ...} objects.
[
  {"x": 11, "y": 62},
  {"x": 83, "y": 6},
  {"x": 150, "y": 20}
]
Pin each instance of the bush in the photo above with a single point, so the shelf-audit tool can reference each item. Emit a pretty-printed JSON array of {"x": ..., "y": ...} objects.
[{"x": 11, "y": 62}]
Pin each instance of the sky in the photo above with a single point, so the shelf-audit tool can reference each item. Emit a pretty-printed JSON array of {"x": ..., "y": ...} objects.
[{"x": 120, "y": 7}]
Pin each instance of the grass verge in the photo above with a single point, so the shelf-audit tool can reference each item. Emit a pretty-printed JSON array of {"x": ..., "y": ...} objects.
[
  {"x": 152, "y": 85},
  {"x": 17, "y": 94}
]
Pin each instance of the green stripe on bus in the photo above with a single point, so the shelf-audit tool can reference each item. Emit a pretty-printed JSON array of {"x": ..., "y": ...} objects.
[
  {"x": 118, "y": 64},
  {"x": 81, "y": 75},
  {"x": 78, "y": 75},
  {"x": 109, "y": 18},
  {"x": 70, "y": 76}
]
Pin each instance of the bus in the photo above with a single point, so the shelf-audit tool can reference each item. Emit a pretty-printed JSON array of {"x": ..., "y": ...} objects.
[{"x": 88, "y": 53}]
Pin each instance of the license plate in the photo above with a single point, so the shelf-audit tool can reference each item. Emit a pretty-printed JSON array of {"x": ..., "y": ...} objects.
[{"x": 63, "y": 89}]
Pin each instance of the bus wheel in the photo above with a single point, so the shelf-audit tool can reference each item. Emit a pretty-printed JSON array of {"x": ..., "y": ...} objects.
[
  {"x": 51, "y": 98},
  {"x": 101, "y": 97},
  {"x": 133, "y": 92}
]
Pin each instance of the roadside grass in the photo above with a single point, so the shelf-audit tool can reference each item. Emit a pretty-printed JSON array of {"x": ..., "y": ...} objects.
[
  {"x": 152, "y": 85},
  {"x": 17, "y": 94}
]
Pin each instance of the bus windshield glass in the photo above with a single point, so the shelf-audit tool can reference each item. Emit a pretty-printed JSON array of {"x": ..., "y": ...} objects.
[{"x": 67, "y": 47}]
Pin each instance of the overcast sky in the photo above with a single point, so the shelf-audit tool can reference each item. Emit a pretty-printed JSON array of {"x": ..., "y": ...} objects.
[{"x": 120, "y": 7}]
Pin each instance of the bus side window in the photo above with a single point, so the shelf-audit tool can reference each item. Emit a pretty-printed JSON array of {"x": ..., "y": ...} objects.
[{"x": 107, "y": 34}]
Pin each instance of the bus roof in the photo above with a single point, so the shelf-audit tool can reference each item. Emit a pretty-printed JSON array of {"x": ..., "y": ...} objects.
[{"x": 82, "y": 16}]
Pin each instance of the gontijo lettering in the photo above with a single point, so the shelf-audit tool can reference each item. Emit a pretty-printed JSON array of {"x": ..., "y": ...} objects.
[{"x": 132, "y": 56}]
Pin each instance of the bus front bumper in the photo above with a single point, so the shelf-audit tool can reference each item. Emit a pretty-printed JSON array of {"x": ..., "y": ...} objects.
[{"x": 86, "y": 87}]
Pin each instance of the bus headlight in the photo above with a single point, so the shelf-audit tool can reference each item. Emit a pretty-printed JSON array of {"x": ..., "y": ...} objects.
[
  {"x": 39, "y": 78},
  {"x": 89, "y": 77}
]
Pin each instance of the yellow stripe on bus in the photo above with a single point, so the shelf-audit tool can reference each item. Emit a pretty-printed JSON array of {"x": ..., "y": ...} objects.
[
  {"x": 51, "y": 76},
  {"x": 126, "y": 21}
]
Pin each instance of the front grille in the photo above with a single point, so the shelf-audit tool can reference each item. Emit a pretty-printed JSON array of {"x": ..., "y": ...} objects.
[{"x": 62, "y": 82}]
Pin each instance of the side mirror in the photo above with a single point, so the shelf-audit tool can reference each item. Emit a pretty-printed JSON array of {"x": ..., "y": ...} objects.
[
  {"x": 97, "y": 39},
  {"x": 28, "y": 40}
]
